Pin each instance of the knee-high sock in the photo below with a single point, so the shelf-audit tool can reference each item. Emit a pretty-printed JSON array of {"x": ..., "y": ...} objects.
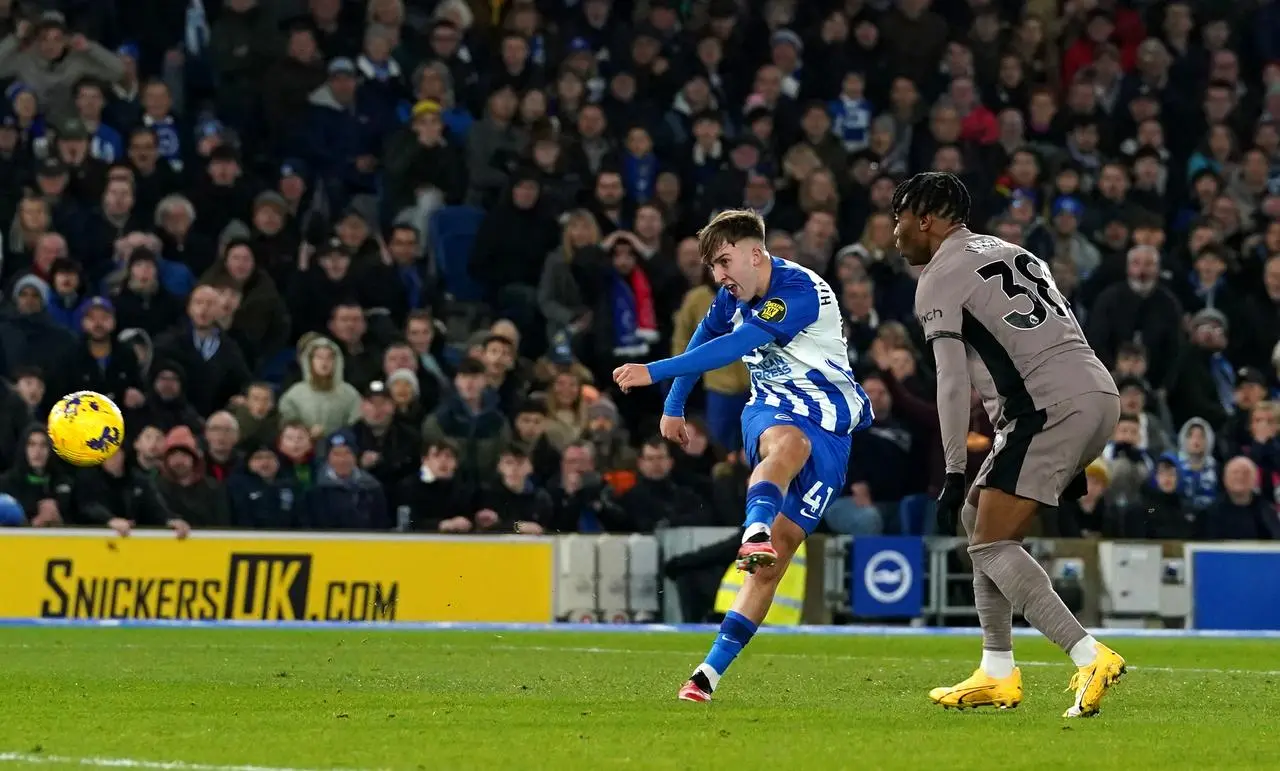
[
  {"x": 1029, "y": 591},
  {"x": 764, "y": 499},
  {"x": 735, "y": 632},
  {"x": 995, "y": 614}
]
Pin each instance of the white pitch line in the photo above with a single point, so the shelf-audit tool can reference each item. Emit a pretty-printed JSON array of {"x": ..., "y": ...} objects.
[
  {"x": 1065, "y": 663},
  {"x": 230, "y": 647},
  {"x": 41, "y": 759}
]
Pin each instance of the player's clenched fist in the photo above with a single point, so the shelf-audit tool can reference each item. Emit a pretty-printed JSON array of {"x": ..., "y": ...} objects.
[
  {"x": 630, "y": 376},
  {"x": 672, "y": 429}
]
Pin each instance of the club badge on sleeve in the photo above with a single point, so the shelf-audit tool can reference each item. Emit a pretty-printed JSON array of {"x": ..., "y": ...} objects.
[{"x": 773, "y": 309}]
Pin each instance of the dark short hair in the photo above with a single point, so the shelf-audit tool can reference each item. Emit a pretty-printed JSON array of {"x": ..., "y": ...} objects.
[
  {"x": 728, "y": 228},
  {"x": 513, "y": 450},
  {"x": 470, "y": 366},
  {"x": 440, "y": 444},
  {"x": 491, "y": 339},
  {"x": 1128, "y": 417},
  {"x": 1132, "y": 348},
  {"x": 656, "y": 442}
]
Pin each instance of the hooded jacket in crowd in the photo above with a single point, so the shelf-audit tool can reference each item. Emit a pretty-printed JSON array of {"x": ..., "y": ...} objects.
[
  {"x": 30, "y": 484},
  {"x": 330, "y": 409},
  {"x": 199, "y": 500}
]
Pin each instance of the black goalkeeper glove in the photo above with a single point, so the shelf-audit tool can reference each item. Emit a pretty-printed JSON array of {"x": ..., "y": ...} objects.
[{"x": 949, "y": 502}]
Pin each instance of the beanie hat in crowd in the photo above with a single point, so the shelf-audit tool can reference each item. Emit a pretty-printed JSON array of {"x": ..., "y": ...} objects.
[{"x": 406, "y": 375}]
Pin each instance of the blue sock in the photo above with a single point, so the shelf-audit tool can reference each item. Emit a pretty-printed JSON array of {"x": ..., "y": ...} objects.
[
  {"x": 764, "y": 499},
  {"x": 735, "y": 632}
]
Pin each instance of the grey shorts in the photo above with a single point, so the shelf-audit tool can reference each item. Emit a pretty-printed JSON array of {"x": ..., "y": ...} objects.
[{"x": 1037, "y": 455}]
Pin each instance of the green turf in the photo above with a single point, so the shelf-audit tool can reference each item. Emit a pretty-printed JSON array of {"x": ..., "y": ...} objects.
[{"x": 469, "y": 700}]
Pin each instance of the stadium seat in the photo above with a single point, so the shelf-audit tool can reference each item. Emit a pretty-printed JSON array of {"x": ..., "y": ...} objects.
[
  {"x": 452, "y": 233},
  {"x": 914, "y": 512}
]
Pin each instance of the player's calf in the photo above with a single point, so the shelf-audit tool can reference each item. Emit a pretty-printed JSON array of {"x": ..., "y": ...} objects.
[{"x": 750, "y": 606}]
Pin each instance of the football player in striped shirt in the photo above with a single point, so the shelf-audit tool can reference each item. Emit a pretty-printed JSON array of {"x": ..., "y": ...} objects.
[{"x": 783, "y": 322}]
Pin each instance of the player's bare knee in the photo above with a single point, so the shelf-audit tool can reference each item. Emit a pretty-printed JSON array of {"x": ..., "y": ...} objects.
[{"x": 1001, "y": 517}]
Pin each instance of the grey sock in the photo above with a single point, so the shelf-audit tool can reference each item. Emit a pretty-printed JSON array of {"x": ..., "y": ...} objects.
[
  {"x": 1021, "y": 579},
  {"x": 995, "y": 613}
]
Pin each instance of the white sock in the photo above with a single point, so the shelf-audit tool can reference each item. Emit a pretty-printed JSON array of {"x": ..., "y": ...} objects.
[
  {"x": 1084, "y": 652},
  {"x": 998, "y": 664},
  {"x": 753, "y": 528},
  {"x": 713, "y": 677}
]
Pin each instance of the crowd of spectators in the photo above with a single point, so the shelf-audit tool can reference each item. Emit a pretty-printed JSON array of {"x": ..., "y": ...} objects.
[{"x": 220, "y": 213}]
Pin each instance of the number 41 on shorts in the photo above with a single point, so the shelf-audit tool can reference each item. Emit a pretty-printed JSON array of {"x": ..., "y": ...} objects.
[{"x": 816, "y": 500}]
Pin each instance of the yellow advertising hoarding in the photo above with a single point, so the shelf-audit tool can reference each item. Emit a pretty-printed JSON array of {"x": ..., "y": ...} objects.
[{"x": 89, "y": 574}]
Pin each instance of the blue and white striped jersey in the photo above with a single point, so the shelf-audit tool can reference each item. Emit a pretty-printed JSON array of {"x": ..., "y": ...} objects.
[{"x": 805, "y": 370}]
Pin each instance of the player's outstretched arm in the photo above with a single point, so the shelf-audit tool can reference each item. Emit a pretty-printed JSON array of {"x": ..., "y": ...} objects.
[{"x": 714, "y": 354}]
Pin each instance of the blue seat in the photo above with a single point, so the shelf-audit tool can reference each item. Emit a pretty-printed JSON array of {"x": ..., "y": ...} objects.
[
  {"x": 915, "y": 514},
  {"x": 452, "y": 234}
]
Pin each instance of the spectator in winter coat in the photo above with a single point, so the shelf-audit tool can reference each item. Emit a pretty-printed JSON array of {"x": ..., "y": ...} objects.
[
  {"x": 1088, "y": 515},
  {"x": 262, "y": 499},
  {"x": 435, "y": 500},
  {"x": 1199, "y": 480},
  {"x": 580, "y": 502},
  {"x": 341, "y": 136},
  {"x": 185, "y": 489},
  {"x": 1263, "y": 448},
  {"x": 1204, "y": 380},
  {"x": 609, "y": 438},
  {"x": 1240, "y": 513},
  {"x": 420, "y": 159},
  {"x": 257, "y": 416},
  {"x": 122, "y": 498},
  {"x": 167, "y": 406},
  {"x": 657, "y": 499},
  {"x": 29, "y": 337},
  {"x": 141, "y": 301},
  {"x": 530, "y": 436},
  {"x": 50, "y": 62},
  {"x": 221, "y": 435},
  {"x": 1164, "y": 506},
  {"x": 38, "y": 483},
  {"x": 98, "y": 362},
  {"x": 323, "y": 400},
  {"x": 512, "y": 501},
  {"x": 472, "y": 419},
  {"x": 260, "y": 318},
  {"x": 513, "y": 243},
  {"x": 288, "y": 84},
  {"x": 493, "y": 145},
  {"x": 389, "y": 449},
  {"x": 1154, "y": 437},
  {"x": 66, "y": 296},
  {"x": 215, "y": 365},
  {"x": 881, "y": 469},
  {"x": 345, "y": 497},
  {"x": 1129, "y": 467},
  {"x": 1139, "y": 309},
  {"x": 297, "y": 454}
]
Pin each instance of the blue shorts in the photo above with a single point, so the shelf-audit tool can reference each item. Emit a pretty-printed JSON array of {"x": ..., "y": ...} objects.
[{"x": 822, "y": 478}]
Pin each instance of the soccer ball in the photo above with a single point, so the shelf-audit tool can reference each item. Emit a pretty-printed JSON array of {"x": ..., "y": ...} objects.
[{"x": 85, "y": 428}]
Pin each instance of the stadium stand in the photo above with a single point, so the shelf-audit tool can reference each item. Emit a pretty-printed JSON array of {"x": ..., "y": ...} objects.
[{"x": 284, "y": 204}]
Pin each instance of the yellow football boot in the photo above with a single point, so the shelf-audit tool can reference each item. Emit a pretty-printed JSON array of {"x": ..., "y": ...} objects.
[
  {"x": 1091, "y": 683},
  {"x": 981, "y": 690}
]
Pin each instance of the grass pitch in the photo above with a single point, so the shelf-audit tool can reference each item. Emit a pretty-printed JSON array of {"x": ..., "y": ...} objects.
[{"x": 216, "y": 698}]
